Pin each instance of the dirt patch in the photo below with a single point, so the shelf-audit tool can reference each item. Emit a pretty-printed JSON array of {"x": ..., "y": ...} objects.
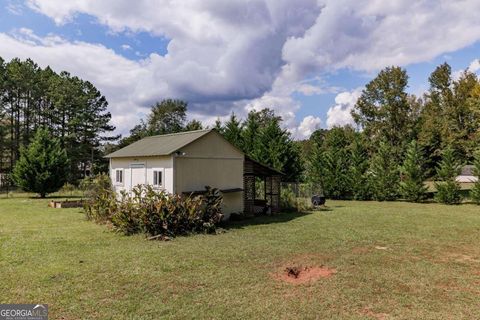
[{"x": 299, "y": 275}]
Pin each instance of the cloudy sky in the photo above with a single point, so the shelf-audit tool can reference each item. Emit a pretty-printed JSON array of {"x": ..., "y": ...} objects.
[{"x": 306, "y": 59}]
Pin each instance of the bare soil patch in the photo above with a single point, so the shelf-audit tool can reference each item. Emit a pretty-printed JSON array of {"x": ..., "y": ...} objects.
[{"x": 300, "y": 275}]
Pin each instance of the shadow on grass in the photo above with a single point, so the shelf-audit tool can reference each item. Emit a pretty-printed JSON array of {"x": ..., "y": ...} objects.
[{"x": 269, "y": 219}]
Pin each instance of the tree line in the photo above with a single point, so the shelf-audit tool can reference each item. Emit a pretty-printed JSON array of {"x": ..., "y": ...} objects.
[
  {"x": 72, "y": 109},
  {"x": 401, "y": 140}
]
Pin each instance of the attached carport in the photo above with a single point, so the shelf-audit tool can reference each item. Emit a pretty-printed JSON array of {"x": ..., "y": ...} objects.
[{"x": 269, "y": 200}]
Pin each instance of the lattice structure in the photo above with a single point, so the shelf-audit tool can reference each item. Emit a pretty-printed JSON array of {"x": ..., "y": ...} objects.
[
  {"x": 249, "y": 193},
  {"x": 271, "y": 188}
]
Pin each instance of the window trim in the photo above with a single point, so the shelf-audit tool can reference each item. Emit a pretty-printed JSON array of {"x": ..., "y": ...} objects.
[
  {"x": 119, "y": 173},
  {"x": 162, "y": 176}
]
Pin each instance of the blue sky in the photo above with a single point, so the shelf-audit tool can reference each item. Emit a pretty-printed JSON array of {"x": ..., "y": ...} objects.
[{"x": 309, "y": 65}]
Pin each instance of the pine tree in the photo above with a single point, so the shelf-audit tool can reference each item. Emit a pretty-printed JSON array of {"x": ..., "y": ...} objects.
[
  {"x": 193, "y": 125},
  {"x": 43, "y": 165},
  {"x": 330, "y": 166},
  {"x": 233, "y": 131},
  {"x": 384, "y": 174},
  {"x": 448, "y": 189},
  {"x": 250, "y": 133},
  {"x": 275, "y": 148},
  {"x": 358, "y": 171},
  {"x": 475, "y": 192},
  {"x": 412, "y": 186}
]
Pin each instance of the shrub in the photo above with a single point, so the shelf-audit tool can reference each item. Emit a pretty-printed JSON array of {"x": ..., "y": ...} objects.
[
  {"x": 101, "y": 202},
  {"x": 448, "y": 189},
  {"x": 475, "y": 192},
  {"x": 126, "y": 215},
  {"x": 288, "y": 199},
  {"x": 43, "y": 165},
  {"x": 157, "y": 214},
  {"x": 68, "y": 188},
  {"x": 448, "y": 192},
  {"x": 212, "y": 212}
]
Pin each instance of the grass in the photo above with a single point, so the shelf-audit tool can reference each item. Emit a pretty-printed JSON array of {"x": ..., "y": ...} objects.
[{"x": 394, "y": 261}]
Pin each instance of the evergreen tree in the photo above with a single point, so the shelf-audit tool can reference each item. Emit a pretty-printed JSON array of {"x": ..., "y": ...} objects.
[
  {"x": 475, "y": 192},
  {"x": 275, "y": 148},
  {"x": 233, "y": 131},
  {"x": 250, "y": 134},
  {"x": 358, "y": 170},
  {"x": 448, "y": 189},
  {"x": 412, "y": 186},
  {"x": 218, "y": 126},
  {"x": 330, "y": 166},
  {"x": 193, "y": 125},
  {"x": 384, "y": 174},
  {"x": 43, "y": 165}
]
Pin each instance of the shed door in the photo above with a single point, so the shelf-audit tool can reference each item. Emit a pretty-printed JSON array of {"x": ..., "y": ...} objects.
[{"x": 138, "y": 174}]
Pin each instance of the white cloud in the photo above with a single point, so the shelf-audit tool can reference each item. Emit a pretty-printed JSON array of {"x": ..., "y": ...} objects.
[
  {"x": 252, "y": 54},
  {"x": 126, "y": 47},
  {"x": 340, "y": 113},
  {"x": 308, "y": 125},
  {"x": 474, "y": 66}
]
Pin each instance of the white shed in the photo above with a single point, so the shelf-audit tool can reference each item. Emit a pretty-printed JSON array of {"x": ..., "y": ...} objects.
[
  {"x": 186, "y": 162},
  {"x": 182, "y": 163}
]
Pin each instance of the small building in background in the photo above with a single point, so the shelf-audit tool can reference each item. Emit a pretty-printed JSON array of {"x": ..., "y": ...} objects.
[{"x": 466, "y": 175}]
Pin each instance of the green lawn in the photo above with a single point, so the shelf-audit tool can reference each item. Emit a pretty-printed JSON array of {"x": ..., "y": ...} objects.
[{"x": 393, "y": 260}]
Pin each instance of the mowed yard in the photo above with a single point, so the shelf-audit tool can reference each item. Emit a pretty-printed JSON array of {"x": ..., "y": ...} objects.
[{"x": 393, "y": 261}]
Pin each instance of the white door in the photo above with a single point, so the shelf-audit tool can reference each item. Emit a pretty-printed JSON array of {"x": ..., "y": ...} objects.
[{"x": 138, "y": 175}]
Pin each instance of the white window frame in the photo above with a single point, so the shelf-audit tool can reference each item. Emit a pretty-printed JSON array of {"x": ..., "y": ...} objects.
[
  {"x": 162, "y": 173},
  {"x": 121, "y": 181}
]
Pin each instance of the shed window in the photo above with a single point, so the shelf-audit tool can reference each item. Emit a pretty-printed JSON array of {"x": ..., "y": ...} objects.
[
  {"x": 119, "y": 176},
  {"x": 157, "y": 177}
]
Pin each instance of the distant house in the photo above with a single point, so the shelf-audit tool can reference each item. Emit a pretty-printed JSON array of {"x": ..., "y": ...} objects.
[
  {"x": 186, "y": 162},
  {"x": 466, "y": 175}
]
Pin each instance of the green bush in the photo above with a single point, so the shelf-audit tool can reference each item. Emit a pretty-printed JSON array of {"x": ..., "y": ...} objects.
[
  {"x": 448, "y": 192},
  {"x": 475, "y": 192},
  {"x": 212, "y": 211},
  {"x": 100, "y": 203},
  {"x": 68, "y": 188},
  {"x": 157, "y": 214},
  {"x": 288, "y": 200},
  {"x": 448, "y": 189}
]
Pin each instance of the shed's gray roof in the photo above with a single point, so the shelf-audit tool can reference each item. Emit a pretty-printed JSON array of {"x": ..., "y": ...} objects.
[{"x": 161, "y": 145}]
